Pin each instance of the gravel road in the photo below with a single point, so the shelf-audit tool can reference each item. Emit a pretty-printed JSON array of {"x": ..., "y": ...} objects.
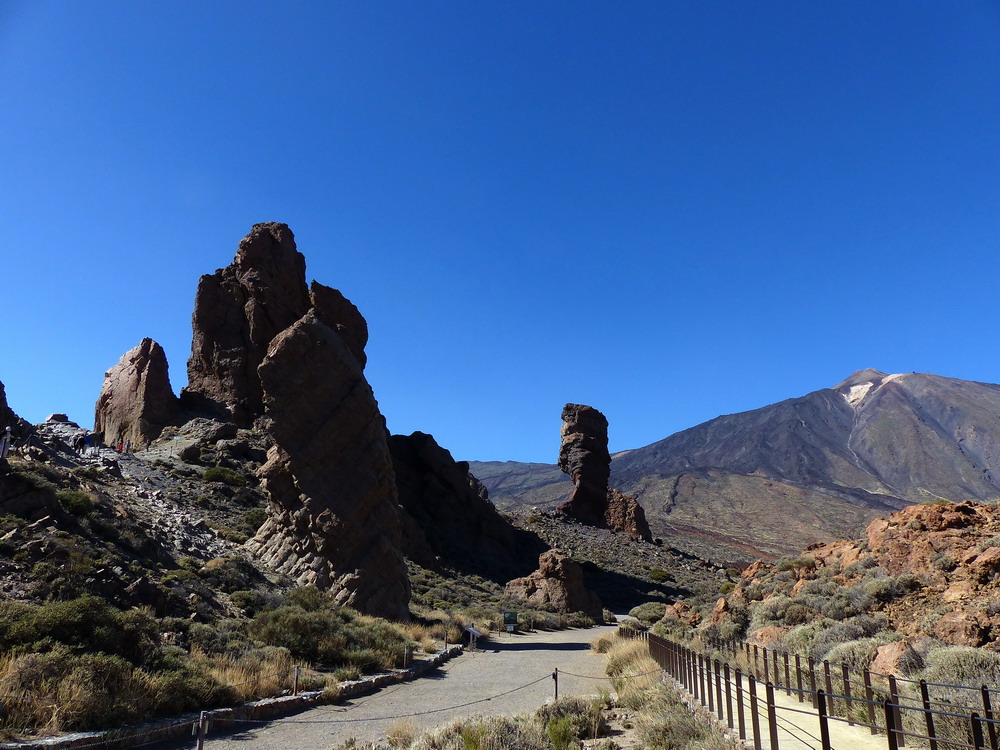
[{"x": 464, "y": 686}]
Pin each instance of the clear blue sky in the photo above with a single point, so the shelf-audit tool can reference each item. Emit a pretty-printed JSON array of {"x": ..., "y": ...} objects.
[{"x": 667, "y": 210}]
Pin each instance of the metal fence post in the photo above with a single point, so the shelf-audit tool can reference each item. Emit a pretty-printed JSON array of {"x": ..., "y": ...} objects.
[
  {"x": 991, "y": 728},
  {"x": 202, "y": 728},
  {"x": 772, "y": 716},
  {"x": 890, "y": 724},
  {"x": 767, "y": 677},
  {"x": 848, "y": 703},
  {"x": 729, "y": 695},
  {"x": 740, "y": 718},
  {"x": 870, "y": 696},
  {"x": 897, "y": 716},
  {"x": 718, "y": 689},
  {"x": 754, "y": 718},
  {"x": 824, "y": 723},
  {"x": 295, "y": 680},
  {"x": 925, "y": 699},
  {"x": 555, "y": 681},
  {"x": 829, "y": 686},
  {"x": 798, "y": 677},
  {"x": 977, "y": 732},
  {"x": 788, "y": 676},
  {"x": 708, "y": 684},
  {"x": 812, "y": 681}
]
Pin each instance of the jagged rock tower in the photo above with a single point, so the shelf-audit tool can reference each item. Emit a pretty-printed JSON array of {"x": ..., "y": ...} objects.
[{"x": 583, "y": 454}]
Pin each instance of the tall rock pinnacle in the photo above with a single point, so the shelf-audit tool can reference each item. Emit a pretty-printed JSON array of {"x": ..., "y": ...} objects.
[{"x": 583, "y": 454}]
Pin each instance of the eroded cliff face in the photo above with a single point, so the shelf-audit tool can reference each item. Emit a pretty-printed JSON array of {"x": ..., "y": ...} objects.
[
  {"x": 558, "y": 583},
  {"x": 329, "y": 478},
  {"x": 136, "y": 400},
  {"x": 583, "y": 454}
]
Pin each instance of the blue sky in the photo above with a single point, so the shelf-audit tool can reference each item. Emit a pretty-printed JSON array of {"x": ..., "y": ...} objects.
[{"x": 666, "y": 210}]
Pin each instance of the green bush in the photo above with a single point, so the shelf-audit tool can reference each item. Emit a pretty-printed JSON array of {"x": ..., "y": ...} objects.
[
  {"x": 660, "y": 576},
  {"x": 76, "y": 502},
  {"x": 224, "y": 475},
  {"x": 649, "y": 612}
]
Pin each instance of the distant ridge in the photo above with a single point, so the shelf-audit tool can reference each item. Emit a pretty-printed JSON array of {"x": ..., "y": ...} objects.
[{"x": 813, "y": 468}]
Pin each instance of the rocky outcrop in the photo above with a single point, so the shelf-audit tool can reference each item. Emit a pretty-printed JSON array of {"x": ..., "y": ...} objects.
[
  {"x": 334, "y": 520},
  {"x": 625, "y": 514},
  {"x": 558, "y": 584},
  {"x": 136, "y": 400},
  {"x": 18, "y": 427},
  {"x": 238, "y": 311},
  {"x": 338, "y": 312},
  {"x": 448, "y": 518},
  {"x": 583, "y": 454}
]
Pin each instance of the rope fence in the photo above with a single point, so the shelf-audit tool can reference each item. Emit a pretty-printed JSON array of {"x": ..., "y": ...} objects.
[{"x": 730, "y": 681}]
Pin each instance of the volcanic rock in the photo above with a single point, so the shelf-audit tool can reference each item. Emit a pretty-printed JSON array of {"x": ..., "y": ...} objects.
[
  {"x": 625, "y": 514},
  {"x": 334, "y": 521},
  {"x": 447, "y": 514},
  {"x": 338, "y": 312},
  {"x": 583, "y": 454},
  {"x": 238, "y": 311},
  {"x": 136, "y": 400},
  {"x": 19, "y": 427},
  {"x": 558, "y": 583}
]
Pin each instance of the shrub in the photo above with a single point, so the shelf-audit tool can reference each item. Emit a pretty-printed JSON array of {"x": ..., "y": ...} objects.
[
  {"x": 224, "y": 475},
  {"x": 649, "y": 612},
  {"x": 855, "y": 654},
  {"x": 578, "y": 719},
  {"x": 942, "y": 561},
  {"x": 660, "y": 576},
  {"x": 76, "y": 502}
]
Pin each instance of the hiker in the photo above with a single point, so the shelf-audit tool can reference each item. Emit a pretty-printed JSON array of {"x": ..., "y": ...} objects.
[
  {"x": 128, "y": 446},
  {"x": 5, "y": 442},
  {"x": 86, "y": 444}
]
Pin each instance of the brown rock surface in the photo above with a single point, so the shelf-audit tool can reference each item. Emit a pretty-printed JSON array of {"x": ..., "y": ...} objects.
[
  {"x": 583, "y": 454},
  {"x": 890, "y": 657},
  {"x": 684, "y": 612},
  {"x": 334, "y": 519},
  {"x": 338, "y": 312},
  {"x": 238, "y": 311},
  {"x": 558, "y": 583},
  {"x": 625, "y": 514},
  {"x": 136, "y": 400},
  {"x": 447, "y": 514}
]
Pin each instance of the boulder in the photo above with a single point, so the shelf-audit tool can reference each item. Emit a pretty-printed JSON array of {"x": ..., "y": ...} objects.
[
  {"x": 136, "y": 400},
  {"x": 625, "y": 514},
  {"x": 558, "y": 583},
  {"x": 896, "y": 658},
  {"x": 334, "y": 519},
  {"x": 57, "y": 418},
  {"x": 684, "y": 612}
]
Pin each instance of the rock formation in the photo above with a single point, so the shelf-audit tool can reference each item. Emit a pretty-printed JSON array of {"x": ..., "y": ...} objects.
[
  {"x": 584, "y": 455},
  {"x": 136, "y": 400},
  {"x": 334, "y": 520},
  {"x": 238, "y": 311},
  {"x": 8, "y": 418},
  {"x": 447, "y": 515},
  {"x": 558, "y": 583}
]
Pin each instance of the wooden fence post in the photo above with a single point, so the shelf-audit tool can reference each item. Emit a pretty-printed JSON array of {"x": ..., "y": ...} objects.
[
  {"x": 202, "y": 729},
  {"x": 767, "y": 677},
  {"x": 788, "y": 677},
  {"x": 812, "y": 681},
  {"x": 708, "y": 683}
]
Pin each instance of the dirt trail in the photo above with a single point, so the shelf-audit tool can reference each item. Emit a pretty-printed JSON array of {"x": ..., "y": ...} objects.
[{"x": 470, "y": 681}]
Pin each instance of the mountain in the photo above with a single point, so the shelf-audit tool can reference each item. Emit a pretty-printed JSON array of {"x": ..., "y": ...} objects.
[{"x": 825, "y": 464}]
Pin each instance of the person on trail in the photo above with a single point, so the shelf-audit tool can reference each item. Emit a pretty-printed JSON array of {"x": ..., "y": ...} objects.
[
  {"x": 5, "y": 442},
  {"x": 128, "y": 446},
  {"x": 86, "y": 443},
  {"x": 121, "y": 445}
]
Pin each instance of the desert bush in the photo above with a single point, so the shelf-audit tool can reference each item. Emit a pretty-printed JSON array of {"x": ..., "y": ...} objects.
[
  {"x": 856, "y": 654},
  {"x": 581, "y": 719},
  {"x": 888, "y": 588},
  {"x": 660, "y": 576},
  {"x": 649, "y": 612},
  {"x": 962, "y": 665},
  {"x": 862, "y": 626},
  {"x": 224, "y": 475},
  {"x": 76, "y": 502},
  {"x": 797, "y": 565},
  {"x": 485, "y": 733},
  {"x": 942, "y": 561},
  {"x": 993, "y": 541}
]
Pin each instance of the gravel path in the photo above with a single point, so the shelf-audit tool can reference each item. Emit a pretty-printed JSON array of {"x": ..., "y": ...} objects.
[{"x": 472, "y": 679}]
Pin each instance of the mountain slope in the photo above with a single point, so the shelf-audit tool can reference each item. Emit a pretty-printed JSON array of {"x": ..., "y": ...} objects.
[{"x": 823, "y": 464}]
